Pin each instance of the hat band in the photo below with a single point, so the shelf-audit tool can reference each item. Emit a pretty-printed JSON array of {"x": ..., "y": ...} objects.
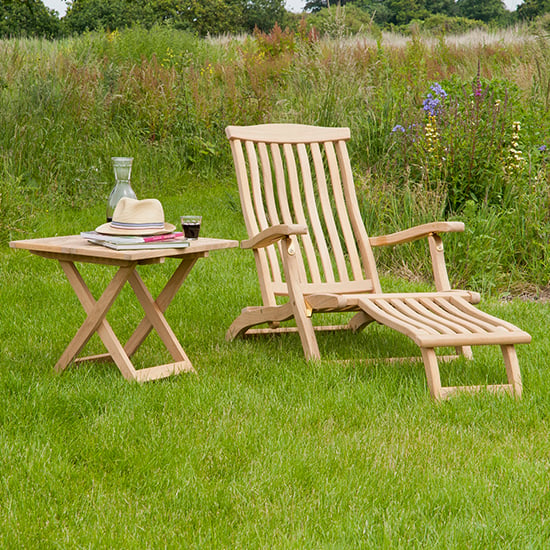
[{"x": 136, "y": 226}]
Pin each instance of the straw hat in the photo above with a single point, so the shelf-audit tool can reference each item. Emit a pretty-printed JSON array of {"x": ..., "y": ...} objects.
[{"x": 133, "y": 217}]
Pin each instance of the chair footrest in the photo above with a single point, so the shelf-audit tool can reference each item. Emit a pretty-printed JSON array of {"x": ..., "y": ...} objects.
[{"x": 441, "y": 320}]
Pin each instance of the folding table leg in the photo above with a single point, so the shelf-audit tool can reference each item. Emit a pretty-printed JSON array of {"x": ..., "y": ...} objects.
[
  {"x": 157, "y": 319},
  {"x": 163, "y": 301},
  {"x": 96, "y": 321}
]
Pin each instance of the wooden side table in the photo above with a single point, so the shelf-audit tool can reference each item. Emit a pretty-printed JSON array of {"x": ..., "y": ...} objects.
[{"x": 70, "y": 249}]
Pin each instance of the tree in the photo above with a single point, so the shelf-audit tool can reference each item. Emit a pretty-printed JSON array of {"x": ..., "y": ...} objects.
[
  {"x": 482, "y": 10},
  {"x": 445, "y": 7},
  {"x": 201, "y": 16},
  {"x": 28, "y": 18},
  {"x": 533, "y": 8},
  {"x": 263, "y": 14}
]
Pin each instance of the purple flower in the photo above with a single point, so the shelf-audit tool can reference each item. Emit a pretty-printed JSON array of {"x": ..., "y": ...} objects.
[
  {"x": 478, "y": 92},
  {"x": 431, "y": 105},
  {"x": 438, "y": 90},
  {"x": 398, "y": 128},
  {"x": 543, "y": 148}
]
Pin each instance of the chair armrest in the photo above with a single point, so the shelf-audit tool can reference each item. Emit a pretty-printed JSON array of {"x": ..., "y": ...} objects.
[
  {"x": 415, "y": 233},
  {"x": 273, "y": 234}
]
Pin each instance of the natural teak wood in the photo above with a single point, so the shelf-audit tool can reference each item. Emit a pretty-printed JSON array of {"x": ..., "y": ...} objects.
[
  {"x": 310, "y": 245},
  {"x": 71, "y": 249}
]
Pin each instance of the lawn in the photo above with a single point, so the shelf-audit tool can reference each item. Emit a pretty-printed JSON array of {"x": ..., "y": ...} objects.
[{"x": 260, "y": 449}]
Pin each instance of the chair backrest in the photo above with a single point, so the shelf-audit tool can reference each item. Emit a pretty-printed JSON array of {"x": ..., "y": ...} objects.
[{"x": 297, "y": 174}]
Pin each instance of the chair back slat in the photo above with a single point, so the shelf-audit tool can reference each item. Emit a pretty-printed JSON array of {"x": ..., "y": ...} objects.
[
  {"x": 271, "y": 209},
  {"x": 297, "y": 174},
  {"x": 341, "y": 209},
  {"x": 328, "y": 214},
  {"x": 362, "y": 238},
  {"x": 297, "y": 197},
  {"x": 317, "y": 230},
  {"x": 284, "y": 204}
]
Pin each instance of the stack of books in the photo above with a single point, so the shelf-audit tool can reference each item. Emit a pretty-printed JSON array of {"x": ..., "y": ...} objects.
[{"x": 170, "y": 240}]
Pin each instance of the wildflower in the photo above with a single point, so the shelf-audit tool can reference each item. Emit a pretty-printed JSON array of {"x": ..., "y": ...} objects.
[
  {"x": 478, "y": 90},
  {"x": 515, "y": 160},
  {"x": 438, "y": 90},
  {"x": 431, "y": 105},
  {"x": 398, "y": 128},
  {"x": 432, "y": 135},
  {"x": 543, "y": 148}
]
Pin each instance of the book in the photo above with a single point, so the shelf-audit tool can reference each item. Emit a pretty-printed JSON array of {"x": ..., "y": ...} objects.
[
  {"x": 94, "y": 236},
  {"x": 167, "y": 243}
]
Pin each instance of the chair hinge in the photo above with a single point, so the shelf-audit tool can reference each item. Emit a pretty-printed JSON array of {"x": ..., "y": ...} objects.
[{"x": 309, "y": 309}]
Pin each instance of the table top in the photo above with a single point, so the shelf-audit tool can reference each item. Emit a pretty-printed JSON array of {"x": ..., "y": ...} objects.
[{"x": 76, "y": 248}]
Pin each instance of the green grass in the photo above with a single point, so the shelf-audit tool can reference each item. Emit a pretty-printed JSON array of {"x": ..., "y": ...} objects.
[{"x": 260, "y": 449}]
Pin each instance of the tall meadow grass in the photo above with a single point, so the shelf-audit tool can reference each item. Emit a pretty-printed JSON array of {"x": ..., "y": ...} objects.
[{"x": 165, "y": 97}]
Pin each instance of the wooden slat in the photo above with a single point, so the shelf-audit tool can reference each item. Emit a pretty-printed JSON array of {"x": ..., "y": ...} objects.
[
  {"x": 286, "y": 133},
  {"x": 362, "y": 239},
  {"x": 284, "y": 204},
  {"x": 270, "y": 205},
  {"x": 399, "y": 319},
  {"x": 428, "y": 313},
  {"x": 299, "y": 212},
  {"x": 491, "y": 388},
  {"x": 311, "y": 205},
  {"x": 355, "y": 287},
  {"x": 328, "y": 217},
  {"x": 404, "y": 306},
  {"x": 481, "y": 315},
  {"x": 472, "y": 315},
  {"x": 347, "y": 233},
  {"x": 244, "y": 190},
  {"x": 256, "y": 177},
  {"x": 447, "y": 316}
]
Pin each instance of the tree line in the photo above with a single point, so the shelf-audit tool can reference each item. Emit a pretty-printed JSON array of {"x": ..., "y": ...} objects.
[{"x": 33, "y": 18}]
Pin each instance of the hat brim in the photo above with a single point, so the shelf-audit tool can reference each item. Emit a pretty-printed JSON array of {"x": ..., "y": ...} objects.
[{"x": 107, "y": 229}]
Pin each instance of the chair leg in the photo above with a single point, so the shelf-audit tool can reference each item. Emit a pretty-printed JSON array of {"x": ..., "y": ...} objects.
[
  {"x": 466, "y": 351},
  {"x": 432, "y": 372},
  {"x": 359, "y": 321},
  {"x": 306, "y": 331},
  {"x": 512, "y": 369}
]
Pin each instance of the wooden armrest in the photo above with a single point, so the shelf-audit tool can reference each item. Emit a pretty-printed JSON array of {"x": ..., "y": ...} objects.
[
  {"x": 415, "y": 233},
  {"x": 273, "y": 234}
]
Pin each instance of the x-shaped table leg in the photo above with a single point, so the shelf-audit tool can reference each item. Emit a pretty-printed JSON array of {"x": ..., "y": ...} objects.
[{"x": 154, "y": 318}]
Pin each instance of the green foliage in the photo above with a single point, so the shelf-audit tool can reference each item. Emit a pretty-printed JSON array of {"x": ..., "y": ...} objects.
[
  {"x": 530, "y": 9},
  {"x": 337, "y": 21},
  {"x": 482, "y": 10},
  {"x": 203, "y": 17},
  {"x": 164, "y": 96},
  {"x": 443, "y": 25},
  {"x": 27, "y": 18}
]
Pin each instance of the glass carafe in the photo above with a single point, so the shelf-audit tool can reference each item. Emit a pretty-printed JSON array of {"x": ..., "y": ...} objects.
[{"x": 122, "y": 167}]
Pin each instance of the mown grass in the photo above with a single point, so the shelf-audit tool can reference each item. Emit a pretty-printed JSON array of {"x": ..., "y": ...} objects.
[{"x": 260, "y": 449}]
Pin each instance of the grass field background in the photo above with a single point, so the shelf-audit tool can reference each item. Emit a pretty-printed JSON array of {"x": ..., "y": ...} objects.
[{"x": 260, "y": 449}]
